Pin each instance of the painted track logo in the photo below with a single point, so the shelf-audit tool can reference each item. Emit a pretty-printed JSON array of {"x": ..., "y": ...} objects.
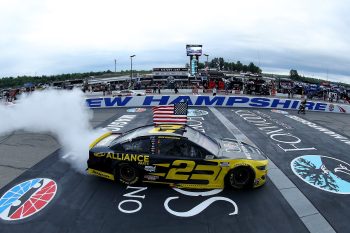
[
  {"x": 136, "y": 110},
  {"x": 27, "y": 198},
  {"x": 196, "y": 112},
  {"x": 279, "y": 111},
  {"x": 323, "y": 172}
]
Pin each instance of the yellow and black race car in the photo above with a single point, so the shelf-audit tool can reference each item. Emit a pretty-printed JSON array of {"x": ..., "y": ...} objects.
[{"x": 179, "y": 156}]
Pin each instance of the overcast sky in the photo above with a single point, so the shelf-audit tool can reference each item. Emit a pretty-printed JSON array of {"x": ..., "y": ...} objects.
[{"x": 43, "y": 37}]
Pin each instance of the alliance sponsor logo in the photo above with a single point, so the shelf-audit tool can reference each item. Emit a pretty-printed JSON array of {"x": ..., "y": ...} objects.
[
  {"x": 141, "y": 159},
  {"x": 331, "y": 107},
  {"x": 136, "y": 110},
  {"x": 27, "y": 198},
  {"x": 323, "y": 172}
]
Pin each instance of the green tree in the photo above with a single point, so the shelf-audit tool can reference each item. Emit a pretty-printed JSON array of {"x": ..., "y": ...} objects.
[
  {"x": 294, "y": 74},
  {"x": 239, "y": 66},
  {"x": 253, "y": 68},
  {"x": 201, "y": 65},
  {"x": 218, "y": 63}
]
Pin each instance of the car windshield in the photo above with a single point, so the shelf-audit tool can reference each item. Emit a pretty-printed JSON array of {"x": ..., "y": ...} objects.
[
  {"x": 204, "y": 141},
  {"x": 129, "y": 136},
  {"x": 192, "y": 135}
]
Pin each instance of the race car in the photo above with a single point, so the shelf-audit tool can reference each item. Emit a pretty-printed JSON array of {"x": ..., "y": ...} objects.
[{"x": 176, "y": 155}]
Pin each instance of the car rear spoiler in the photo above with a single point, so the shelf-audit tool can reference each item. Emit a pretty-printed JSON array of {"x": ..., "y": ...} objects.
[
  {"x": 99, "y": 139},
  {"x": 105, "y": 135}
]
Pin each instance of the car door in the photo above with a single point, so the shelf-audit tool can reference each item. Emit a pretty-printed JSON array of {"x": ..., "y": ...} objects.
[
  {"x": 168, "y": 164},
  {"x": 178, "y": 159},
  {"x": 136, "y": 151}
]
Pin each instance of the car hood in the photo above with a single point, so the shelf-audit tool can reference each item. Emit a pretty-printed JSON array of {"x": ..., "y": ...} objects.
[{"x": 234, "y": 149}]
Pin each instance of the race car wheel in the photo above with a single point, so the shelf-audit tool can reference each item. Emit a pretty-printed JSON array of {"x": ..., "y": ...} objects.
[
  {"x": 128, "y": 174},
  {"x": 240, "y": 177}
]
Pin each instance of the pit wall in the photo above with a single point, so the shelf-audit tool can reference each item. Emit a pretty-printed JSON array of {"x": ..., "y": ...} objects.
[{"x": 215, "y": 101}]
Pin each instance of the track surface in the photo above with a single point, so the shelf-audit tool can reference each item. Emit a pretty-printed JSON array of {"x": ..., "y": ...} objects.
[{"x": 91, "y": 204}]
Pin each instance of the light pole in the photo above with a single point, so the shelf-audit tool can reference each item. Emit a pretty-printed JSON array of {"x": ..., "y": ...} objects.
[
  {"x": 131, "y": 68},
  {"x": 207, "y": 60},
  {"x": 207, "y": 69},
  {"x": 115, "y": 65}
]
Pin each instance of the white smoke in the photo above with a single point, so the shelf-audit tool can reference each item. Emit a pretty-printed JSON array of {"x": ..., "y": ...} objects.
[{"x": 60, "y": 112}]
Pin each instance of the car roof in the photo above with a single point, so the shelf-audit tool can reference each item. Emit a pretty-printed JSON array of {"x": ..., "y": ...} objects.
[
  {"x": 158, "y": 130},
  {"x": 178, "y": 131}
]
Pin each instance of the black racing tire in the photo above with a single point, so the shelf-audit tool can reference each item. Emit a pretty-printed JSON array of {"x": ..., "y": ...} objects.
[
  {"x": 127, "y": 174},
  {"x": 241, "y": 177}
]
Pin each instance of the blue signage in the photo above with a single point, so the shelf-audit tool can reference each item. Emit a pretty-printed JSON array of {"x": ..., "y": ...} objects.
[{"x": 206, "y": 100}]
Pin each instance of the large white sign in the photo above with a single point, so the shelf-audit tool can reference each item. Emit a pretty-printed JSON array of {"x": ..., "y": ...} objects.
[{"x": 217, "y": 101}]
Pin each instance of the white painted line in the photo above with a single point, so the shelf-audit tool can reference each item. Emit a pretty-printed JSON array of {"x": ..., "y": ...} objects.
[{"x": 306, "y": 211}]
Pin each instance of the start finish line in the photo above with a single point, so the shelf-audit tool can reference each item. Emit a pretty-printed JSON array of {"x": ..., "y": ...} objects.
[{"x": 214, "y": 101}]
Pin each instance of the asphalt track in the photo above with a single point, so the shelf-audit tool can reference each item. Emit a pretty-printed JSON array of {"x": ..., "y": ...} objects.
[{"x": 91, "y": 204}]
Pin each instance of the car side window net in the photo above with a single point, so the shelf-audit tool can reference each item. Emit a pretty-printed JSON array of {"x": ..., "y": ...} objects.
[
  {"x": 138, "y": 146},
  {"x": 177, "y": 148}
]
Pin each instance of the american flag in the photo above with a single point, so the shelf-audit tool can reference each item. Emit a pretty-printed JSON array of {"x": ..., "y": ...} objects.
[{"x": 176, "y": 114}]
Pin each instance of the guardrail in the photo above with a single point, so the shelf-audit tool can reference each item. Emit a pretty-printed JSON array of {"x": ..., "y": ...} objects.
[{"x": 215, "y": 101}]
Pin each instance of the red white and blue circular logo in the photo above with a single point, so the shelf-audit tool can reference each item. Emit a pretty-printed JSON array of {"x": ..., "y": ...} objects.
[{"x": 27, "y": 198}]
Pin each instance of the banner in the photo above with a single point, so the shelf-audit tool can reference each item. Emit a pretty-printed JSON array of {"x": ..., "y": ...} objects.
[{"x": 214, "y": 101}]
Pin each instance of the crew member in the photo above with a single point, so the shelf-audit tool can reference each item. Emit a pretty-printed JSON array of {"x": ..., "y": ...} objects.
[{"x": 302, "y": 106}]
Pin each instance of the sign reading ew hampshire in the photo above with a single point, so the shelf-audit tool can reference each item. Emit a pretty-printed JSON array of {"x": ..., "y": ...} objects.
[
  {"x": 215, "y": 101},
  {"x": 27, "y": 198},
  {"x": 323, "y": 172}
]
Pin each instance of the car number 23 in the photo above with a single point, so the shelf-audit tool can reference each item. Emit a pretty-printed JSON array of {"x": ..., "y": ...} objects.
[{"x": 188, "y": 170}]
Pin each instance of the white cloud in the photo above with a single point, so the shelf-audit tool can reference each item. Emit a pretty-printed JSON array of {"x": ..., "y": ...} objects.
[{"x": 50, "y": 36}]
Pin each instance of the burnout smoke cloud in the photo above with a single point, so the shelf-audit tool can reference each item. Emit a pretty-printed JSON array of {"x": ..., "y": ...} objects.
[{"x": 62, "y": 113}]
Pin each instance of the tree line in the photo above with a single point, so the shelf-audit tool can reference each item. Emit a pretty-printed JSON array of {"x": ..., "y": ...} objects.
[
  {"x": 219, "y": 63},
  {"x": 294, "y": 75},
  {"x": 19, "y": 81}
]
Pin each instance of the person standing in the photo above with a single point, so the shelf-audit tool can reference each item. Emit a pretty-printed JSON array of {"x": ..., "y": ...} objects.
[
  {"x": 103, "y": 87},
  {"x": 175, "y": 89},
  {"x": 195, "y": 89},
  {"x": 7, "y": 96}
]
